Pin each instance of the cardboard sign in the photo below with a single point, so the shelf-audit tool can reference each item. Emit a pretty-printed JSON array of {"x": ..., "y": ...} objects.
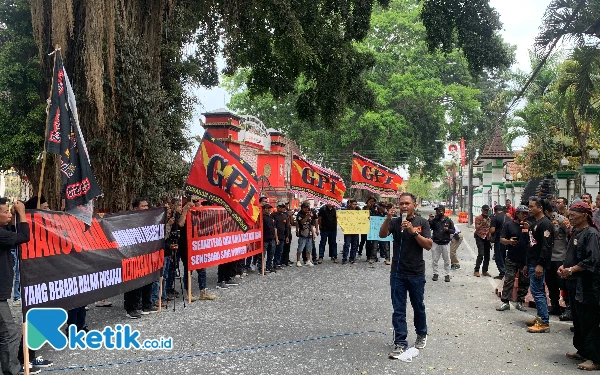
[
  {"x": 354, "y": 221},
  {"x": 376, "y": 222}
]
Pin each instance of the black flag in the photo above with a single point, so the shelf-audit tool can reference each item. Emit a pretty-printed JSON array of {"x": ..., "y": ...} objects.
[{"x": 64, "y": 138}]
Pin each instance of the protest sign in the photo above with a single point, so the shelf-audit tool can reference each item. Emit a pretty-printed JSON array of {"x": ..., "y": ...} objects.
[
  {"x": 66, "y": 266},
  {"x": 214, "y": 238},
  {"x": 373, "y": 235},
  {"x": 353, "y": 221}
]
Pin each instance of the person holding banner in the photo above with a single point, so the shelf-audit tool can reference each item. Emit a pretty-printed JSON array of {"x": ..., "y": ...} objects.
[
  {"x": 350, "y": 240},
  {"x": 9, "y": 331},
  {"x": 305, "y": 224},
  {"x": 411, "y": 236}
]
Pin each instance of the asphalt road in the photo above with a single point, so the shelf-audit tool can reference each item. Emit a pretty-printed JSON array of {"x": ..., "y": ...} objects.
[{"x": 330, "y": 319}]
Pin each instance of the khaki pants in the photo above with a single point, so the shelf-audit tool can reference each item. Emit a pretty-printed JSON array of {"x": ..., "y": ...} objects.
[{"x": 454, "y": 244}]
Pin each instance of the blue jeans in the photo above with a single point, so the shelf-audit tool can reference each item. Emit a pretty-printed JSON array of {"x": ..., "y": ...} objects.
[
  {"x": 201, "y": 277},
  {"x": 328, "y": 236},
  {"x": 279, "y": 252},
  {"x": 17, "y": 284},
  {"x": 268, "y": 251},
  {"x": 304, "y": 245},
  {"x": 538, "y": 291},
  {"x": 166, "y": 275},
  {"x": 350, "y": 243},
  {"x": 415, "y": 286},
  {"x": 500, "y": 257}
]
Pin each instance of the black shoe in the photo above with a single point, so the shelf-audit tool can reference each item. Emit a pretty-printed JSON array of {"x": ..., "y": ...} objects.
[
  {"x": 344, "y": 261},
  {"x": 566, "y": 316},
  {"x": 271, "y": 270},
  {"x": 149, "y": 310},
  {"x": 447, "y": 278},
  {"x": 435, "y": 277},
  {"x": 556, "y": 311},
  {"x": 134, "y": 314},
  {"x": 231, "y": 283},
  {"x": 572, "y": 329},
  {"x": 499, "y": 277}
]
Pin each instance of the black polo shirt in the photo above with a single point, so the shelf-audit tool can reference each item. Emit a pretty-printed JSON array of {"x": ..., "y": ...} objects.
[
  {"x": 408, "y": 254},
  {"x": 517, "y": 254}
]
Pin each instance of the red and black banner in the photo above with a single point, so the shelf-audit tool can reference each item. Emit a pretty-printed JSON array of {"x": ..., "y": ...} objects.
[
  {"x": 215, "y": 238},
  {"x": 64, "y": 138},
  {"x": 374, "y": 177},
  {"x": 64, "y": 265},
  {"x": 222, "y": 177},
  {"x": 316, "y": 182}
]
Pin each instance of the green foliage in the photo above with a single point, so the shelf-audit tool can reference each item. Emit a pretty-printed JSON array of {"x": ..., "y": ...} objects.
[
  {"x": 22, "y": 111},
  {"x": 420, "y": 187},
  {"x": 471, "y": 26}
]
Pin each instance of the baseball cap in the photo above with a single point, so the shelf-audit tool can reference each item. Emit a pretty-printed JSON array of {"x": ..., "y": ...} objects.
[
  {"x": 485, "y": 207},
  {"x": 267, "y": 206},
  {"x": 281, "y": 203},
  {"x": 440, "y": 207}
]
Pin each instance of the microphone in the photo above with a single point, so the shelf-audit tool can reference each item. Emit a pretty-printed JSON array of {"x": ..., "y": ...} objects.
[{"x": 403, "y": 219}]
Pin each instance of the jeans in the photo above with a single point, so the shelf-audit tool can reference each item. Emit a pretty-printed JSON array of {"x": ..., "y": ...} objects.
[
  {"x": 538, "y": 291},
  {"x": 76, "y": 316},
  {"x": 10, "y": 335},
  {"x": 331, "y": 237},
  {"x": 384, "y": 249},
  {"x": 444, "y": 251},
  {"x": 17, "y": 284},
  {"x": 279, "y": 252},
  {"x": 304, "y": 245},
  {"x": 350, "y": 244},
  {"x": 499, "y": 257},
  {"x": 512, "y": 269},
  {"x": 483, "y": 253},
  {"x": 201, "y": 277},
  {"x": 370, "y": 249},
  {"x": 269, "y": 250},
  {"x": 415, "y": 286},
  {"x": 166, "y": 282},
  {"x": 285, "y": 256}
]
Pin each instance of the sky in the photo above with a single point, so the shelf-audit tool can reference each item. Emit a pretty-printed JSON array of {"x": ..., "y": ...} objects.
[{"x": 521, "y": 20}]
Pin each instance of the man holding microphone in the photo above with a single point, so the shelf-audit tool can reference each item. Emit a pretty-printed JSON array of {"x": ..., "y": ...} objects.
[{"x": 411, "y": 236}]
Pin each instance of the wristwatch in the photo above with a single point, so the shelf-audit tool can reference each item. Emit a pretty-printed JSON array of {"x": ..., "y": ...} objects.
[
  {"x": 570, "y": 272},
  {"x": 415, "y": 234}
]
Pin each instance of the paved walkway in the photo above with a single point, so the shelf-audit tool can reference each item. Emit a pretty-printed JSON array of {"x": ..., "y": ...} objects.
[{"x": 331, "y": 319}]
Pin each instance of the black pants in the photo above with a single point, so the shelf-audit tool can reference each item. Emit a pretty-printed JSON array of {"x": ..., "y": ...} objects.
[
  {"x": 225, "y": 271},
  {"x": 483, "y": 254},
  {"x": 363, "y": 241},
  {"x": 371, "y": 250},
  {"x": 138, "y": 299},
  {"x": 513, "y": 270},
  {"x": 554, "y": 283},
  {"x": 9, "y": 341},
  {"x": 586, "y": 321},
  {"x": 500, "y": 256}
]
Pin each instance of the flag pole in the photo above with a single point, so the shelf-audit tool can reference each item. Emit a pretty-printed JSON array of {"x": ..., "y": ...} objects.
[{"x": 39, "y": 200}]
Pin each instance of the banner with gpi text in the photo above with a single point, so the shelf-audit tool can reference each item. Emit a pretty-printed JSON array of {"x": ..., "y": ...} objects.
[
  {"x": 215, "y": 238},
  {"x": 65, "y": 266}
]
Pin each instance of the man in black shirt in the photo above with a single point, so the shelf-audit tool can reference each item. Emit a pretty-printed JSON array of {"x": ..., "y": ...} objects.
[
  {"x": 539, "y": 256},
  {"x": 383, "y": 246},
  {"x": 282, "y": 225},
  {"x": 270, "y": 239},
  {"x": 496, "y": 225},
  {"x": 9, "y": 332},
  {"x": 363, "y": 237},
  {"x": 580, "y": 270},
  {"x": 350, "y": 240},
  {"x": 328, "y": 227},
  {"x": 411, "y": 236},
  {"x": 442, "y": 230},
  {"x": 516, "y": 239}
]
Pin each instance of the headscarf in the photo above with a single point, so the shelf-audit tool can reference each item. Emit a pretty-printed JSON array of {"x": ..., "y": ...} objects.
[{"x": 583, "y": 207}]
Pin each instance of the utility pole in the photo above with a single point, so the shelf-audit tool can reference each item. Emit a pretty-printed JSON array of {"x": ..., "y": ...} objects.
[{"x": 470, "y": 192}]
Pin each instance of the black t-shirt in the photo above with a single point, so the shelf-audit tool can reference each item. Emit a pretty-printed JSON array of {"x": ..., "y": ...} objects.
[
  {"x": 328, "y": 218},
  {"x": 498, "y": 220},
  {"x": 517, "y": 254},
  {"x": 268, "y": 228},
  {"x": 281, "y": 224},
  {"x": 540, "y": 243},
  {"x": 408, "y": 254}
]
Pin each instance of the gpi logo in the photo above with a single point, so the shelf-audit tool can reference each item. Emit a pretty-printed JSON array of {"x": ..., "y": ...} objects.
[{"x": 44, "y": 326}]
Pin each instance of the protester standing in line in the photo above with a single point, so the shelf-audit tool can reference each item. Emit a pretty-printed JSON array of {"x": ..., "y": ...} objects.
[
  {"x": 285, "y": 259},
  {"x": 539, "y": 256},
  {"x": 482, "y": 240},
  {"x": 328, "y": 227},
  {"x": 411, "y": 237},
  {"x": 516, "y": 239},
  {"x": 305, "y": 224},
  {"x": 270, "y": 239},
  {"x": 382, "y": 246},
  {"x": 283, "y": 228},
  {"x": 350, "y": 240},
  {"x": 442, "y": 230},
  {"x": 363, "y": 237},
  {"x": 581, "y": 272},
  {"x": 496, "y": 225}
]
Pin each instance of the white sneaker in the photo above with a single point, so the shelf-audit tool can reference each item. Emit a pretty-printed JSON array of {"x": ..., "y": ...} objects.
[
  {"x": 309, "y": 263},
  {"x": 298, "y": 264}
]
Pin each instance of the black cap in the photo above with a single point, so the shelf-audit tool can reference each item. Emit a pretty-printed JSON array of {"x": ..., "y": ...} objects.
[
  {"x": 485, "y": 207},
  {"x": 498, "y": 208},
  {"x": 267, "y": 206},
  {"x": 440, "y": 207}
]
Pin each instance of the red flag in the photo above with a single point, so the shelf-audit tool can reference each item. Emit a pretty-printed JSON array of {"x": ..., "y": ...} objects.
[
  {"x": 317, "y": 182},
  {"x": 222, "y": 177},
  {"x": 374, "y": 177}
]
